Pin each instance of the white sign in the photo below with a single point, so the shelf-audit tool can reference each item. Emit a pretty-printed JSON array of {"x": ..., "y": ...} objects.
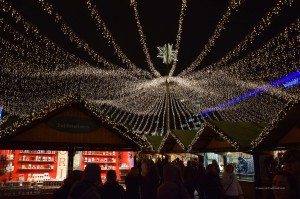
[{"x": 62, "y": 165}]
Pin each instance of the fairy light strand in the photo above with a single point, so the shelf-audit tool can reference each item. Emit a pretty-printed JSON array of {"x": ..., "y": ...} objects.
[
  {"x": 232, "y": 7},
  {"x": 107, "y": 34},
  {"x": 195, "y": 139},
  {"x": 67, "y": 30},
  {"x": 135, "y": 98},
  {"x": 179, "y": 33},
  {"x": 133, "y": 4},
  {"x": 265, "y": 22},
  {"x": 63, "y": 102},
  {"x": 281, "y": 114}
]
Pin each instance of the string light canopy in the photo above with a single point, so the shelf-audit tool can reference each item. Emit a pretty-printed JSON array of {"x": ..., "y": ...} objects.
[{"x": 106, "y": 53}]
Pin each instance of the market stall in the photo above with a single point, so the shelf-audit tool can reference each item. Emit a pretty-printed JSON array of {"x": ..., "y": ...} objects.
[{"x": 38, "y": 152}]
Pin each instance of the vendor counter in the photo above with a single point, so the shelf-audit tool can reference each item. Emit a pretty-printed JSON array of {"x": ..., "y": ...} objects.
[
  {"x": 22, "y": 190},
  {"x": 247, "y": 184},
  {"x": 25, "y": 190},
  {"x": 248, "y": 188}
]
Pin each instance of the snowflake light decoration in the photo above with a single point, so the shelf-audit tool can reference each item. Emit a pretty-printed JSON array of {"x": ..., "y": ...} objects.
[{"x": 167, "y": 53}]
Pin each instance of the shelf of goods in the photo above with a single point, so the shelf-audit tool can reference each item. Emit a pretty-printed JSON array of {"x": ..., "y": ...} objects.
[
  {"x": 35, "y": 165},
  {"x": 107, "y": 160},
  {"x": 36, "y": 160},
  {"x": 125, "y": 158},
  {"x": 6, "y": 164},
  {"x": 123, "y": 171}
]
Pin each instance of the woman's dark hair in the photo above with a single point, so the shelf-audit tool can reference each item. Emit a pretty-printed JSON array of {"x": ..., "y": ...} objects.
[
  {"x": 73, "y": 177},
  {"x": 134, "y": 171},
  {"x": 210, "y": 169},
  {"x": 111, "y": 176}
]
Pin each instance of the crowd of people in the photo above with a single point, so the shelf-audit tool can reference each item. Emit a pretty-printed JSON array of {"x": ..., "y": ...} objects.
[
  {"x": 148, "y": 180},
  {"x": 174, "y": 180}
]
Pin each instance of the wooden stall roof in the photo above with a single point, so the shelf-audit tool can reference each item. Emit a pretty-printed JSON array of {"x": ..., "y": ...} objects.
[
  {"x": 155, "y": 141},
  {"x": 166, "y": 144},
  {"x": 36, "y": 132},
  {"x": 185, "y": 136},
  {"x": 240, "y": 136},
  {"x": 241, "y": 132},
  {"x": 234, "y": 136},
  {"x": 172, "y": 145},
  {"x": 72, "y": 124},
  {"x": 292, "y": 137},
  {"x": 209, "y": 140},
  {"x": 284, "y": 131}
]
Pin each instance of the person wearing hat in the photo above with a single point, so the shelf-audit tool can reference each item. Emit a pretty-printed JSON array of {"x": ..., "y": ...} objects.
[{"x": 88, "y": 187}]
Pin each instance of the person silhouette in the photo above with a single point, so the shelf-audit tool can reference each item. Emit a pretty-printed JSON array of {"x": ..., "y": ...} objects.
[{"x": 88, "y": 186}]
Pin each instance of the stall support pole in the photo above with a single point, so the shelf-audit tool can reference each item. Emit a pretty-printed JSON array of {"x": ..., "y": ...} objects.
[
  {"x": 71, "y": 153},
  {"x": 224, "y": 160},
  {"x": 257, "y": 180}
]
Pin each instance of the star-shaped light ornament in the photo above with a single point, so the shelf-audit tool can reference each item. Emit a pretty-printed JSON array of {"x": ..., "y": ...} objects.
[{"x": 167, "y": 53}]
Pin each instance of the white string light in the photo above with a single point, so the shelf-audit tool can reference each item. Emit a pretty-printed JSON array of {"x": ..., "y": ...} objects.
[
  {"x": 67, "y": 30},
  {"x": 136, "y": 98},
  {"x": 107, "y": 35},
  {"x": 133, "y": 3},
  {"x": 280, "y": 115},
  {"x": 257, "y": 30},
  {"x": 232, "y": 7},
  {"x": 178, "y": 37},
  {"x": 195, "y": 139}
]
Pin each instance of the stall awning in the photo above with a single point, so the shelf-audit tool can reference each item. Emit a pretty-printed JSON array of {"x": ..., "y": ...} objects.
[
  {"x": 241, "y": 132},
  {"x": 166, "y": 144},
  {"x": 207, "y": 139},
  {"x": 283, "y": 131},
  {"x": 71, "y": 124}
]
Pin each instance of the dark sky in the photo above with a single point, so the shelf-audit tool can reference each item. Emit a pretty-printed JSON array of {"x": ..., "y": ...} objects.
[{"x": 159, "y": 20}]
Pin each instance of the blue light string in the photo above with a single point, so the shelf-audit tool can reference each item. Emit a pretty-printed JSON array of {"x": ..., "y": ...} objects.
[{"x": 296, "y": 79}]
